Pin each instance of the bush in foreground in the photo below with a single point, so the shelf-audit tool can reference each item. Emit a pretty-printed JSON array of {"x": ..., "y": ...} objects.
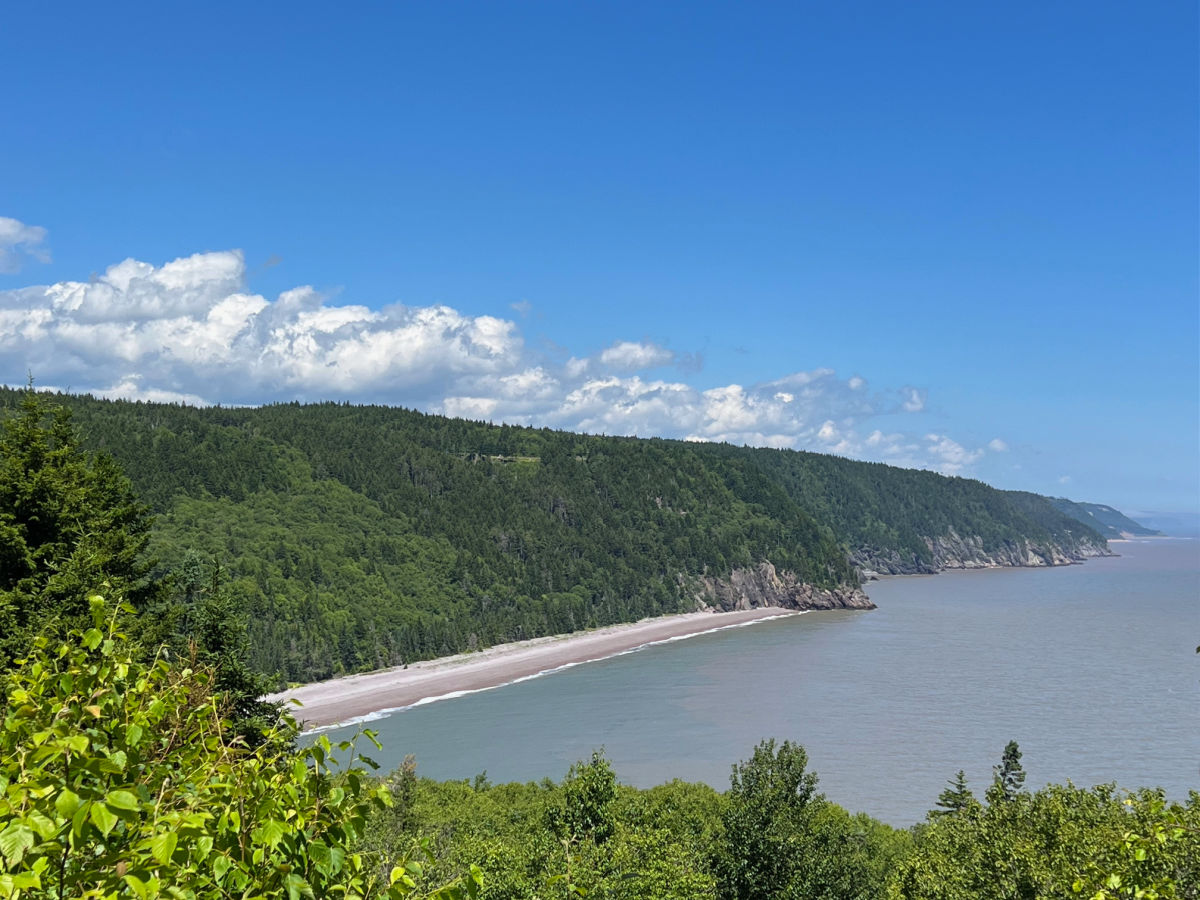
[{"x": 121, "y": 778}]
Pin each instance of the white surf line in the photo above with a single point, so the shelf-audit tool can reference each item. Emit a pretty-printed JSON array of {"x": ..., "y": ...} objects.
[{"x": 451, "y": 695}]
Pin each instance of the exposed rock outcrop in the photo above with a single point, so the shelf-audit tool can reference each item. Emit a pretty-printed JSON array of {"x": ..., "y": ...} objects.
[
  {"x": 952, "y": 551},
  {"x": 764, "y": 586}
]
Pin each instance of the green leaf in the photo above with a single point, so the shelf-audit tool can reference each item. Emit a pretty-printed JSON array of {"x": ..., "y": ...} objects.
[
  {"x": 138, "y": 886},
  {"x": 15, "y": 840},
  {"x": 77, "y": 743},
  {"x": 220, "y": 866},
  {"x": 297, "y": 887},
  {"x": 102, "y": 818},
  {"x": 42, "y": 824},
  {"x": 162, "y": 846},
  {"x": 270, "y": 833},
  {"x": 122, "y": 800},
  {"x": 204, "y": 845}
]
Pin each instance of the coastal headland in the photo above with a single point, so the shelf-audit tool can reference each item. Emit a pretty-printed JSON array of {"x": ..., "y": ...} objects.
[{"x": 341, "y": 700}]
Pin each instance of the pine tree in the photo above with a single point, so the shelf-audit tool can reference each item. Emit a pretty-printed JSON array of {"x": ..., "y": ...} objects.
[
  {"x": 956, "y": 797},
  {"x": 69, "y": 523},
  {"x": 213, "y": 632},
  {"x": 1009, "y": 778}
]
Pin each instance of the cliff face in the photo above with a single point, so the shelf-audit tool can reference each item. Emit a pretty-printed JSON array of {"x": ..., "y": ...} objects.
[
  {"x": 952, "y": 551},
  {"x": 763, "y": 585}
]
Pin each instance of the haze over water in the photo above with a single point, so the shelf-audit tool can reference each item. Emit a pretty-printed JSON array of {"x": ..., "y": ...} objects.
[{"x": 1091, "y": 668}]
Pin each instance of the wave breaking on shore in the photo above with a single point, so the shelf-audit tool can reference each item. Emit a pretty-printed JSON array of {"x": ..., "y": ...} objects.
[{"x": 360, "y": 699}]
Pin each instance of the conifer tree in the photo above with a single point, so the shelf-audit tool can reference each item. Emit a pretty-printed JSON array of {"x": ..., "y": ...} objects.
[
  {"x": 956, "y": 797},
  {"x": 69, "y": 523},
  {"x": 1009, "y": 778},
  {"x": 213, "y": 632}
]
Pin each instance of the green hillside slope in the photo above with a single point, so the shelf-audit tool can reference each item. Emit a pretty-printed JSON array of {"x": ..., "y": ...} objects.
[
  {"x": 358, "y": 536},
  {"x": 1107, "y": 521}
]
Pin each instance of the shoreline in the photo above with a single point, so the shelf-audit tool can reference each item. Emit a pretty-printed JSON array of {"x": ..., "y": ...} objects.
[{"x": 372, "y": 695}]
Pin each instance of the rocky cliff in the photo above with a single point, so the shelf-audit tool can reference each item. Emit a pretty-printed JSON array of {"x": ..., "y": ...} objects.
[
  {"x": 763, "y": 585},
  {"x": 953, "y": 551}
]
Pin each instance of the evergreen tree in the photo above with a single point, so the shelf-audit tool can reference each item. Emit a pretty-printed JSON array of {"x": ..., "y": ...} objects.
[
  {"x": 69, "y": 523},
  {"x": 214, "y": 634},
  {"x": 956, "y": 797},
  {"x": 1009, "y": 778}
]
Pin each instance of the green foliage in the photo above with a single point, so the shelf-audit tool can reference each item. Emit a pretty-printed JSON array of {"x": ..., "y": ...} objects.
[
  {"x": 588, "y": 795},
  {"x": 768, "y": 806},
  {"x": 358, "y": 537},
  {"x": 1008, "y": 777},
  {"x": 784, "y": 840},
  {"x": 657, "y": 847},
  {"x": 1061, "y": 841},
  {"x": 119, "y": 778},
  {"x": 956, "y": 798},
  {"x": 773, "y": 836},
  {"x": 212, "y": 632},
  {"x": 68, "y": 521},
  {"x": 1158, "y": 860}
]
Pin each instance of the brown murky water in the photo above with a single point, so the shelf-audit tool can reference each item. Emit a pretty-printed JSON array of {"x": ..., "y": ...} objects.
[{"x": 1091, "y": 668}]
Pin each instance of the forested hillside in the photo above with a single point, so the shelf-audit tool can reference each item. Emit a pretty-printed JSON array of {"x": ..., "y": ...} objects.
[
  {"x": 137, "y": 759},
  {"x": 363, "y": 536},
  {"x": 1109, "y": 522}
]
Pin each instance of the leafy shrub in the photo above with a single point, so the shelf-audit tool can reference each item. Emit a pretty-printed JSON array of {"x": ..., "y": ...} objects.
[{"x": 121, "y": 778}]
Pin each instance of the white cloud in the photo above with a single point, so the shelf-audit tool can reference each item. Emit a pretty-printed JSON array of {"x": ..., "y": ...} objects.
[
  {"x": 20, "y": 242},
  {"x": 190, "y": 328},
  {"x": 997, "y": 446},
  {"x": 950, "y": 457},
  {"x": 190, "y": 331},
  {"x": 631, "y": 356},
  {"x": 914, "y": 400},
  {"x": 130, "y": 389}
]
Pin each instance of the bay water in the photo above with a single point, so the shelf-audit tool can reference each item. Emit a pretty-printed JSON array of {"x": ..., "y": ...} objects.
[{"x": 1091, "y": 668}]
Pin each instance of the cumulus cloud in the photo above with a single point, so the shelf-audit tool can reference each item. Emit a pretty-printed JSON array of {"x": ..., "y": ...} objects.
[
  {"x": 950, "y": 456},
  {"x": 19, "y": 243},
  {"x": 630, "y": 356},
  {"x": 190, "y": 331},
  {"x": 997, "y": 446}
]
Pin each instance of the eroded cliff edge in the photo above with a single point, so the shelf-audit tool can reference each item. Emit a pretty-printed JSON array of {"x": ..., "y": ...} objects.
[
  {"x": 763, "y": 585},
  {"x": 953, "y": 551}
]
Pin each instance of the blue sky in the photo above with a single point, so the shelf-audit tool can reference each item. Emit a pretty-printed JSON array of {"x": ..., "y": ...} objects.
[{"x": 960, "y": 236}]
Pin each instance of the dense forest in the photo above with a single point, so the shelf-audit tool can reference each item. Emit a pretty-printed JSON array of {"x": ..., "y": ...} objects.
[
  {"x": 772, "y": 834},
  {"x": 355, "y": 537},
  {"x": 137, "y": 761},
  {"x": 1109, "y": 522}
]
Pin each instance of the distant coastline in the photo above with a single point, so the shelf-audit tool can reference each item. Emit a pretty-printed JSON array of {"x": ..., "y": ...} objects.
[{"x": 358, "y": 698}]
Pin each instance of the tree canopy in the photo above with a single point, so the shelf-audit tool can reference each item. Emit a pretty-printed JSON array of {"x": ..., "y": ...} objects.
[
  {"x": 69, "y": 522},
  {"x": 356, "y": 537}
]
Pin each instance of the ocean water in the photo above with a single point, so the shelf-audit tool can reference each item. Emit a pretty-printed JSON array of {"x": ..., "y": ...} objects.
[{"x": 1091, "y": 668}]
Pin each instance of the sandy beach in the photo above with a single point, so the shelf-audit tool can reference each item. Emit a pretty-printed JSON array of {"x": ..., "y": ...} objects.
[{"x": 342, "y": 700}]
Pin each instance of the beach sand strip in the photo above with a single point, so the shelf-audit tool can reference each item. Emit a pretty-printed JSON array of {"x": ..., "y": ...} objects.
[{"x": 350, "y": 698}]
